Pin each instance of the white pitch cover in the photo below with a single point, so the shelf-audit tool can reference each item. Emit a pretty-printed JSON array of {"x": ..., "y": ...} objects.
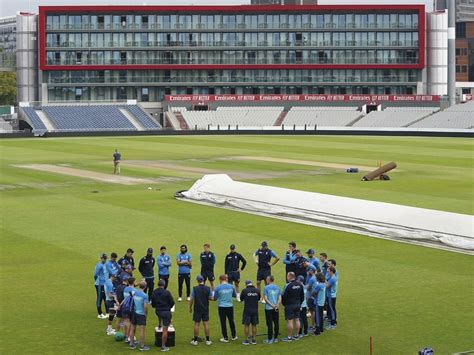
[{"x": 427, "y": 227}]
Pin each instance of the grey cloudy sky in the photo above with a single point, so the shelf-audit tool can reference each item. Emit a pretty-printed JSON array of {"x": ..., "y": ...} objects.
[{"x": 11, "y": 7}]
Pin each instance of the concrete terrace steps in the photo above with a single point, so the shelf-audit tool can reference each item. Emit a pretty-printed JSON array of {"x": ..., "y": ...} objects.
[
  {"x": 132, "y": 119},
  {"x": 45, "y": 119},
  {"x": 281, "y": 118}
]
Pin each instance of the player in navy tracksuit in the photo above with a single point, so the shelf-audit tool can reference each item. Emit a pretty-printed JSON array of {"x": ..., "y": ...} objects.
[
  {"x": 128, "y": 258},
  {"x": 147, "y": 269},
  {"x": 208, "y": 260},
  {"x": 232, "y": 267},
  {"x": 263, "y": 258},
  {"x": 292, "y": 298}
]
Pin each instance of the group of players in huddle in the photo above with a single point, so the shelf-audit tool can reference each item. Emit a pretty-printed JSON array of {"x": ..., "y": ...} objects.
[{"x": 309, "y": 292}]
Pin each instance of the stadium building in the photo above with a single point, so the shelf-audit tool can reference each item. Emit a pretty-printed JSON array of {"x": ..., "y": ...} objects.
[{"x": 203, "y": 57}]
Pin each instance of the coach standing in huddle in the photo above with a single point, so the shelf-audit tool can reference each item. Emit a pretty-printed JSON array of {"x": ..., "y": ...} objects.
[
  {"x": 263, "y": 257},
  {"x": 100, "y": 278},
  {"x": 147, "y": 269},
  {"x": 184, "y": 261},
  {"x": 164, "y": 262},
  {"x": 232, "y": 268},
  {"x": 292, "y": 298},
  {"x": 272, "y": 297},
  {"x": 208, "y": 260},
  {"x": 224, "y": 295},
  {"x": 250, "y": 296}
]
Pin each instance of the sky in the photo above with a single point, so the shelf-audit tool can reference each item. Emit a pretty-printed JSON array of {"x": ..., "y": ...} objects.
[{"x": 11, "y": 7}]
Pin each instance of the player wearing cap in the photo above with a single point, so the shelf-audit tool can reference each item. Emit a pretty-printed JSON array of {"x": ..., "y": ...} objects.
[
  {"x": 263, "y": 258},
  {"x": 184, "y": 261},
  {"x": 128, "y": 257},
  {"x": 147, "y": 269},
  {"x": 224, "y": 294},
  {"x": 292, "y": 298},
  {"x": 319, "y": 294},
  {"x": 110, "y": 301},
  {"x": 232, "y": 268},
  {"x": 164, "y": 262},
  {"x": 250, "y": 296},
  {"x": 289, "y": 259},
  {"x": 272, "y": 297},
  {"x": 331, "y": 294},
  {"x": 313, "y": 259},
  {"x": 208, "y": 260},
  {"x": 100, "y": 277},
  {"x": 200, "y": 298},
  {"x": 162, "y": 301},
  {"x": 138, "y": 317}
]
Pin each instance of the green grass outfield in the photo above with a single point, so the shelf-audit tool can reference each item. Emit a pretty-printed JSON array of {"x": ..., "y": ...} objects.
[{"x": 53, "y": 229}]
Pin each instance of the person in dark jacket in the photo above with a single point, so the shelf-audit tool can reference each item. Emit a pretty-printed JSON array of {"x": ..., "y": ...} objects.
[
  {"x": 147, "y": 269},
  {"x": 300, "y": 265},
  {"x": 292, "y": 298},
  {"x": 232, "y": 268},
  {"x": 208, "y": 260},
  {"x": 162, "y": 301},
  {"x": 128, "y": 257}
]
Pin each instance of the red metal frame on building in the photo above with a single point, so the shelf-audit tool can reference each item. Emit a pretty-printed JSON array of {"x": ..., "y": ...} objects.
[
  {"x": 300, "y": 98},
  {"x": 45, "y": 10}
]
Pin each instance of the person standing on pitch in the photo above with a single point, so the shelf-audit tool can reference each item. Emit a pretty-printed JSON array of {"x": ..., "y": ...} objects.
[
  {"x": 184, "y": 261},
  {"x": 100, "y": 278},
  {"x": 162, "y": 301},
  {"x": 313, "y": 259},
  {"x": 138, "y": 317},
  {"x": 147, "y": 269},
  {"x": 200, "y": 298},
  {"x": 113, "y": 267},
  {"x": 119, "y": 293},
  {"x": 311, "y": 300},
  {"x": 232, "y": 268},
  {"x": 164, "y": 262},
  {"x": 319, "y": 294},
  {"x": 289, "y": 259},
  {"x": 128, "y": 257},
  {"x": 117, "y": 159},
  {"x": 250, "y": 296},
  {"x": 323, "y": 258},
  {"x": 292, "y": 298},
  {"x": 224, "y": 294},
  {"x": 110, "y": 300},
  {"x": 208, "y": 260},
  {"x": 331, "y": 288},
  {"x": 272, "y": 297},
  {"x": 126, "y": 313},
  {"x": 263, "y": 258},
  {"x": 301, "y": 264},
  {"x": 303, "y": 311}
]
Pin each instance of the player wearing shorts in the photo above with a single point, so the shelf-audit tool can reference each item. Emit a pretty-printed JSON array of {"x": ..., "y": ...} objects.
[
  {"x": 110, "y": 301},
  {"x": 292, "y": 298},
  {"x": 232, "y": 268},
  {"x": 138, "y": 317},
  {"x": 263, "y": 258},
  {"x": 200, "y": 298},
  {"x": 250, "y": 296},
  {"x": 162, "y": 301},
  {"x": 208, "y": 260}
]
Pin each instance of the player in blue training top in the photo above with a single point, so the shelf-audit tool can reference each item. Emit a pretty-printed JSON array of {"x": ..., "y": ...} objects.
[
  {"x": 126, "y": 315},
  {"x": 185, "y": 262},
  {"x": 310, "y": 284},
  {"x": 224, "y": 295},
  {"x": 164, "y": 262},
  {"x": 263, "y": 258},
  {"x": 272, "y": 298},
  {"x": 319, "y": 295},
  {"x": 140, "y": 302},
  {"x": 331, "y": 288},
  {"x": 113, "y": 268},
  {"x": 110, "y": 300},
  {"x": 313, "y": 259},
  {"x": 100, "y": 277}
]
